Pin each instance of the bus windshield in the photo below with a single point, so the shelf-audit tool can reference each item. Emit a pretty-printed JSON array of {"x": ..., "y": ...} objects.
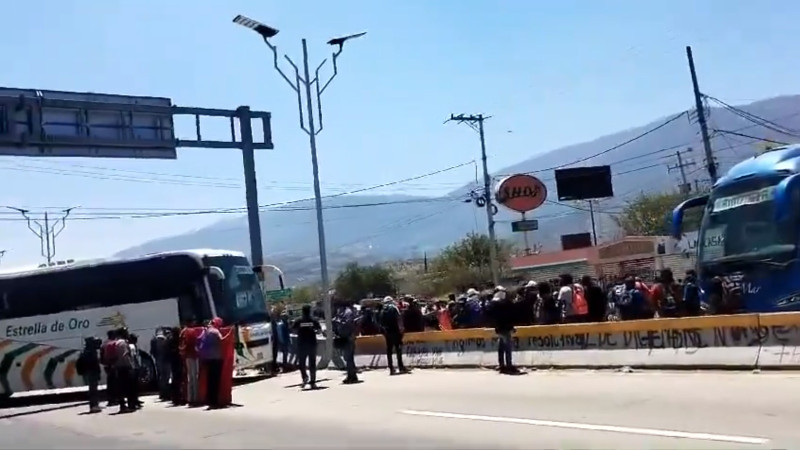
[
  {"x": 740, "y": 225},
  {"x": 241, "y": 300}
]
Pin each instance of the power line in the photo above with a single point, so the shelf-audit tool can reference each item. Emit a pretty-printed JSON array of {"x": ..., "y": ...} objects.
[
  {"x": 768, "y": 124},
  {"x": 615, "y": 147}
]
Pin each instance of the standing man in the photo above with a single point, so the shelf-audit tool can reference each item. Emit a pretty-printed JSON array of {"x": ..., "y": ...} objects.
[
  {"x": 191, "y": 372},
  {"x": 502, "y": 311},
  {"x": 88, "y": 366},
  {"x": 107, "y": 360},
  {"x": 159, "y": 350},
  {"x": 392, "y": 324},
  {"x": 307, "y": 329},
  {"x": 345, "y": 331}
]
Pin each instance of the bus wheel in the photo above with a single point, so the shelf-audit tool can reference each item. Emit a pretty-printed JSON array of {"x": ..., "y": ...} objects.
[{"x": 147, "y": 375}]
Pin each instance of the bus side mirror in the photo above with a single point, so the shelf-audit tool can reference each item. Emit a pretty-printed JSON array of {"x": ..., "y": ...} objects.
[
  {"x": 216, "y": 273},
  {"x": 783, "y": 196},
  {"x": 677, "y": 213}
]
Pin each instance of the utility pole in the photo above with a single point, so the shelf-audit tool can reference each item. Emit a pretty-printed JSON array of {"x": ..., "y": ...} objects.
[
  {"x": 47, "y": 235},
  {"x": 302, "y": 84},
  {"x": 686, "y": 187},
  {"x": 711, "y": 164},
  {"x": 2, "y": 253},
  {"x": 594, "y": 227},
  {"x": 476, "y": 123}
]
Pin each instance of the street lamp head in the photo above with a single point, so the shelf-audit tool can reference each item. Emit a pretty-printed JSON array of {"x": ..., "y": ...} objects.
[
  {"x": 265, "y": 31},
  {"x": 341, "y": 40}
]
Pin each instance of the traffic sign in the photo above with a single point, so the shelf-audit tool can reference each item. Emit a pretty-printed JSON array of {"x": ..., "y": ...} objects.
[
  {"x": 278, "y": 294},
  {"x": 524, "y": 225}
]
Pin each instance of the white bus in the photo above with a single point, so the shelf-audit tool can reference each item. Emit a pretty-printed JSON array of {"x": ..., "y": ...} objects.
[{"x": 61, "y": 305}]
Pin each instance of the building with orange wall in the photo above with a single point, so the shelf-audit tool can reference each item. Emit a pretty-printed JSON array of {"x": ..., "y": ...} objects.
[{"x": 640, "y": 255}]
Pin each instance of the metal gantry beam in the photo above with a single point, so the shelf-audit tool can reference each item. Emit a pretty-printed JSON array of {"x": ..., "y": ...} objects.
[{"x": 72, "y": 124}]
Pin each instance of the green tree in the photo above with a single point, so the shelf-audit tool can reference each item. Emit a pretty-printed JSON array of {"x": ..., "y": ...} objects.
[
  {"x": 305, "y": 294},
  {"x": 465, "y": 264},
  {"x": 651, "y": 214},
  {"x": 357, "y": 282}
]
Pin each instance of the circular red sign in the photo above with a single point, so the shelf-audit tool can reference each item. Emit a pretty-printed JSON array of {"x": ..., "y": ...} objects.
[{"x": 521, "y": 193}]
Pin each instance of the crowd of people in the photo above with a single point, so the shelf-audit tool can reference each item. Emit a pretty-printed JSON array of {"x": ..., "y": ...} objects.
[
  {"x": 178, "y": 354},
  {"x": 564, "y": 300}
]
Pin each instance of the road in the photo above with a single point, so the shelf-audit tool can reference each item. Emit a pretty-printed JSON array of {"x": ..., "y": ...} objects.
[{"x": 447, "y": 409}]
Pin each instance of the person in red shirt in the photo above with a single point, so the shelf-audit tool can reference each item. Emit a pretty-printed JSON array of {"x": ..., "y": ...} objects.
[
  {"x": 188, "y": 350},
  {"x": 106, "y": 359}
]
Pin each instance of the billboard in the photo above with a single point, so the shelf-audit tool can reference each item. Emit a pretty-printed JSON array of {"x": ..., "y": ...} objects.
[
  {"x": 521, "y": 193},
  {"x": 584, "y": 183},
  {"x": 58, "y": 124}
]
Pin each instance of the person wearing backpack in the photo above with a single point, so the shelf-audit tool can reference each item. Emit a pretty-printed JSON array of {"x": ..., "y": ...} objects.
[
  {"x": 666, "y": 295},
  {"x": 691, "y": 294},
  {"x": 88, "y": 367},
  {"x": 123, "y": 367},
  {"x": 573, "y": 297}
]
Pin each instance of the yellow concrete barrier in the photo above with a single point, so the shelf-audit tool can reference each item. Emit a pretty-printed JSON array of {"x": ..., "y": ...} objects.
[{"x": 743, "y": 341}]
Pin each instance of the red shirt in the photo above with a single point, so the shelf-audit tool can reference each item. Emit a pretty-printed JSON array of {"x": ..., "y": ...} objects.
[{"x": 189, "y": 337}]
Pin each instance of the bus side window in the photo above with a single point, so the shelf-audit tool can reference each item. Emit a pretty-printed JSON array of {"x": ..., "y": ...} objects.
[{"x": 192, "y": 305}]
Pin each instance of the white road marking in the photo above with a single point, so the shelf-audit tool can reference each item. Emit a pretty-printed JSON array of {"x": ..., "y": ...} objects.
[{"x": 590, "y": 427}]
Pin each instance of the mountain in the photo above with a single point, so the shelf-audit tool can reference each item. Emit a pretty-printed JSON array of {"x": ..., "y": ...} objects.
[{"x": 380, "y": 228}]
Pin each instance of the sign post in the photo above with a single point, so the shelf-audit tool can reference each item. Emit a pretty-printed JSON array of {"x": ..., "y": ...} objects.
[
  {"x": 522, "y": 193},
  {"x": 74, "y": 124}
]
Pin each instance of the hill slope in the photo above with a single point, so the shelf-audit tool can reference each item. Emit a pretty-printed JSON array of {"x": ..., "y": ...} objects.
[{"x": 378, "y": 228}]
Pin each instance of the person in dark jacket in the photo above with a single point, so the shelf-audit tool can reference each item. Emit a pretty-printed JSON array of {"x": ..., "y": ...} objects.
[
  {"x": 502, "y": 311},
  {"x": 307, "y": 329},
  {"x": 160, "y": 352},
  {"x": 595, "y": 298},
  {"x": 88, "y": 366},
  {"x": 176, "y": 388},
  {"x": 392, "y": 326},
  {"x": 345, "y": 330}
]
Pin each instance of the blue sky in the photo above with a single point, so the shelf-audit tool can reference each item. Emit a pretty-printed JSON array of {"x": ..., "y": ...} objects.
[{"x": 554, "y": 73}]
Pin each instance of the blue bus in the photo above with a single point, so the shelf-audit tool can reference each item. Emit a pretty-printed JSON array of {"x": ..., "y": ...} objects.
[{"x": 750, "y": 230}]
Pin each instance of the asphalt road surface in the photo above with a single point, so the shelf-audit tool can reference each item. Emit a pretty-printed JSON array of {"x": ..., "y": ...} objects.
[{"x": 445, "y": 409}]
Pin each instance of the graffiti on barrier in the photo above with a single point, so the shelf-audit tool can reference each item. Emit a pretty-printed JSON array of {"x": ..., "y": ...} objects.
[{"x": 781, "y": 340}]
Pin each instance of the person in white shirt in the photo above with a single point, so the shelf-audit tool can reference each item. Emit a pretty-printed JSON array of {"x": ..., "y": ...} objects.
[{"x": 565, "y": 297}]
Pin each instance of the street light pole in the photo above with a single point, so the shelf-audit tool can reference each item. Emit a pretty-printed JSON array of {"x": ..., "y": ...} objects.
[{"x": 305, "y": 82}]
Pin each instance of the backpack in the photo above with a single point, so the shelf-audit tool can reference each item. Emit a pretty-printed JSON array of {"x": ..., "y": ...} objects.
[
  {"x": 342, "y": 327},
  {"x": 579, "y": 304},
  {"x": 624, "y": 296},
  {"x": 669, "y": 302},
  {"x": 207, "y": 344},
  {"x": 691, "y": 295},
  {"x": 80, "y": 364}
]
